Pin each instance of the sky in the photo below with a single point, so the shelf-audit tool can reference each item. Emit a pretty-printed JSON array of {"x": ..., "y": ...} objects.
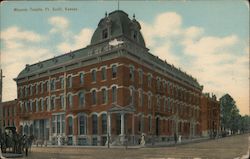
[{"x": 207, "y": 39}]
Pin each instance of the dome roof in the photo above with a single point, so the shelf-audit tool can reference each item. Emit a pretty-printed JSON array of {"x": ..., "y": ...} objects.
[{"x": 116, "y": 24}]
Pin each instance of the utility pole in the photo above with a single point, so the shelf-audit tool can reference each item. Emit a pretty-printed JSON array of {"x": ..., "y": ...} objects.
[{"x": 1, "y": 108}]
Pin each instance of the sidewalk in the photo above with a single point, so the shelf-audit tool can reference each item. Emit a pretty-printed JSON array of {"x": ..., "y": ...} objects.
[{"x": 147, "y": 145}]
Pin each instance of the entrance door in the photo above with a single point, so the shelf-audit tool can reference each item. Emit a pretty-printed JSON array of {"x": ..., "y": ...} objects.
[
  {"x": 157, "y": 127},
  {"x": 118, "y": 124}
]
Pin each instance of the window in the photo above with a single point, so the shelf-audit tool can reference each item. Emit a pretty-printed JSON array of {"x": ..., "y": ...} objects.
[
  {"x": 114, "y": 71},
  {"x": 104, "y": 73},
  {"x": 47, "y": 103},
  {"x": 62, "y": 101},
  {"x": 149, "y": 123},
  {"x": 42, "y": 105},
  {"x": 104, "y": 123},
  {"x": 69, "y": 82},
  {"x": 94, "y": 124},
  {"x": 82, "y": 124},
  {"x": 70, "y": 125},
  {"x": 81, "y": 99},
  {"x": 105, "y": 33},
  {"x": 93, "y": 75},
  {"x": 158, "y": 83},
  {"x": 140, "y": 97},
  {"x": 169, "y": 106},
  {"x": 131, "y": 73},
  {"x": 94, "y": 97},
  {"x": 164, "y": 104},
  {"x": 26, "y": 91},
  {"x": 37, "y": 88},
  {"x": 41, "y": 87},
  {"x": 134, "y": 35},
  {"x": 62, "y": 82},
  {"x": 149, "y": 101},
  {"x": 158, "y": 104},
  {"x": 114, "y": 94},
  {"x": 81, "y": 78},
  {"x": 141, "y": 123},
  {"x": 104, "y": 96},
  {"x": 70, "y": 100},
  {"x": 52, "y": 103},
  {"x": 31, "y": 106},
  {"x": 21, "y": 92},
  {"x": 140, "y": 76},
  {"x": 37, "y": 106},
  {"x": 131, "y": 98},
  {"x": 31, "y": 90},
  {"x": 53, "y": 84},
  {"x": 47, "y": 85}
]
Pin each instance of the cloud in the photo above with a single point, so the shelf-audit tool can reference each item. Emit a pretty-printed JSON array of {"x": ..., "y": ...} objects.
[
  {"x": 219, "y": 63},
  {"x": 12, "y": 35},
  {"x": 77, "y": 41},
  {"x": 59, "y": 24}
]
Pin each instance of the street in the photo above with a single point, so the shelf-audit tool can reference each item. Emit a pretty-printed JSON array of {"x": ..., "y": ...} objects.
[{"x": 223, "y": 148}]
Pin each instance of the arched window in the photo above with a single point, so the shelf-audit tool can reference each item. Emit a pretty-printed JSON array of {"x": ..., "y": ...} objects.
[
  {"x": 82, "y": 120},
  {"x": 69, "y": 82},
  {"x": 70, "y": 101},
  {"x": 104, "y": 96},
  {"x": 131, "y": 96},
  {"x": 81, "y": 98},
  {"x": 94, "y": 124},
  {"x": 149, "y": 123},
  {"x": 104, "y": 123},
  {"x": 94, "y": 97},
  {"x": 104, "y": 73},
  {"x": 70, "y": 125},
  {"x": 114, "y": 94},
  {"x": 93, "y": 75},
  {"x": 81, "y": 78},
  {"x": 114, "y": 71},
  {"x": 131, "y": 73},
  {"x": 42, "y": 105}
]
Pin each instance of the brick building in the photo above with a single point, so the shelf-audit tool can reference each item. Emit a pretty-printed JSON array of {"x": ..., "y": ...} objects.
[
  {"x": 210, "y": 119},
  {"x": 113, "y": 87},
  {"x": 8, "y": 114}
]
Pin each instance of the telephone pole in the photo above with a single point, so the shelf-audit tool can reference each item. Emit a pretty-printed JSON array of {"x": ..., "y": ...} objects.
[{"x": 1, "y": 94}]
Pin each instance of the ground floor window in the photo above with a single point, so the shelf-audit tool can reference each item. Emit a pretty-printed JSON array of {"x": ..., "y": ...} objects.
[
  {"x": 58, "y": 124},
  {"x": 82, "y": 141}
]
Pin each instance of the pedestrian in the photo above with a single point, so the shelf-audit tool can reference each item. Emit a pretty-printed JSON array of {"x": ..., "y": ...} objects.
[{"x": 175, "y": 138}]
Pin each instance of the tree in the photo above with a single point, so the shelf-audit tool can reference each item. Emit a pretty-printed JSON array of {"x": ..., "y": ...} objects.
[{"x": 230, "y": 117}]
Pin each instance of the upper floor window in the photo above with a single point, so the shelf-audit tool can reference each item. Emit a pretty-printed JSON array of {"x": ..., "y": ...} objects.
[
  {"x": 37, "y": 106},
  {"x": 149, "y": 100},
  {"x": 105, "y": 33},
  {"x": 81, "y": 78},
  {"x": 93, "y": 73},
  {"x": 41, "y": 87},
  {"x": 114, "y": 71},
  {"x": 69, "y": 82},
  {"x": 70, "y": 101},
  {"x": 158, "y": 83},
  {"x": 37, "y": 88},
  {"x": 62, "y": 101},
  {"x": 140, "y": 97},
  {"x": 81, "y": 99},
  {"x": 140, "y": 76},
  {"x": 131, "y": 73},
  {"x": 135, "y": 34},
  {"x": 52, "y": 103},
  {"x": 158, "y": 104},
  {"x": 104, "y": 73},
  {"x": 131, "y": 95},
  {"x": 62, "y": 82},
  {"x": 104, "y": 96},
  {"x": 164, "y": 104},
  {"x": 94, "y": 97},
  {"x": 47, "y": 85},
  {"x": 114, "y": 94},
  {"x": 42, "y": 105},
  {"x": 53, "y": 84},
  {"x": 26, "y": 91},
  {"x": 31, "y": 90}
]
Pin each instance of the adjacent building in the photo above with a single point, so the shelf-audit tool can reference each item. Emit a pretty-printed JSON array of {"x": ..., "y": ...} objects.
[
  {"x": 210, "y": 119},
  {"x": 113, "y": 88}
]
